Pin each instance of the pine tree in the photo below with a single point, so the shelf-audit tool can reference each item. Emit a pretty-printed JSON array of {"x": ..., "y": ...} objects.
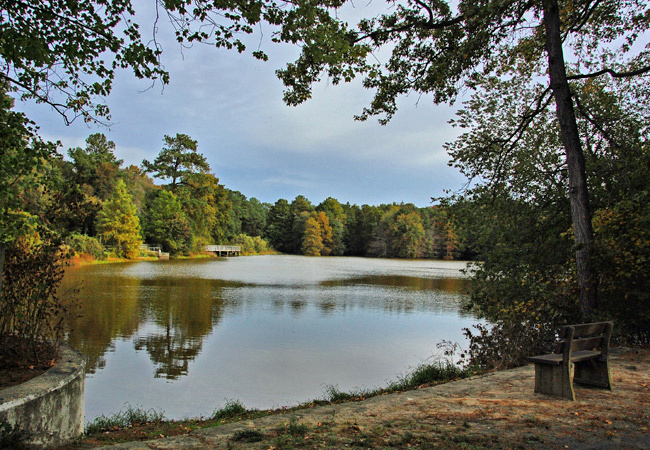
[{"x": 118, "y": 224}]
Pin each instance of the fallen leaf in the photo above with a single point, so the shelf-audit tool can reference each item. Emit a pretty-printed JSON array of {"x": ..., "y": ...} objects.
[
  {"x": 31, "y": 367},
  {"x": 608, "y": 422}
]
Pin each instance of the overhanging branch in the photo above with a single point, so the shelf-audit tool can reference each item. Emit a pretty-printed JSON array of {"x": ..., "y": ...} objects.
[
  {"x": 58, "y": 107},
  {"x": 611, "y": 72}
]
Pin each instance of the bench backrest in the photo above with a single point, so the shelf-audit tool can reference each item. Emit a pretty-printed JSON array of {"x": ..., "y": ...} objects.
[{"x": 588, "y": 336}]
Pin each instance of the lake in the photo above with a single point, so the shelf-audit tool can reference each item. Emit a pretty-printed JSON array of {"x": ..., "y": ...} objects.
[{"x": 185, "y": 336}]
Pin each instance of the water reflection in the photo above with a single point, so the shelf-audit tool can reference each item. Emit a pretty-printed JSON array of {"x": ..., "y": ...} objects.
[
  {"x": 186, "y": 335},
  {"x": 108, "y": 309},
  {"x": 184, "y": 312}
]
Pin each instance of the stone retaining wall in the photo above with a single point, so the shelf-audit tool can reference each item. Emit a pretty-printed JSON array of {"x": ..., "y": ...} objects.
[{"x": 46, "y": 411}]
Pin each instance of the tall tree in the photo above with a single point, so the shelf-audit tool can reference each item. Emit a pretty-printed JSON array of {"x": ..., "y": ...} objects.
[
  {"x": 280, "y": 224},
  {"x": 312, "y": 242},
  {"x": 178, "y": 160},
  {"x": 440, "y": 47},
  {"x": 337, "y": 220},
  {"x": 96, "y": 166},
  {"x": 206, "y": 206},
  {"x": 118, "y": 223}
]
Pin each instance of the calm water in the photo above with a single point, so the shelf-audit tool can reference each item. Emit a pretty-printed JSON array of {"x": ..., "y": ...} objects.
[{"x": 270, "y": 331}]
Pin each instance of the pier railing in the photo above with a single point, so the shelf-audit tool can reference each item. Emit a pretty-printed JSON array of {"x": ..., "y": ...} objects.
[{"x": 229, "y": 250}]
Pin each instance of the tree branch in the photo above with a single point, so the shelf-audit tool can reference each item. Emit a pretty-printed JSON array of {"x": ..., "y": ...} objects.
[
  {"x": 69, "y": 19},
  {"x": 612, "y": 72},
  {"x": 58, "y": 107},
  {"x": 428, "y": 25}
]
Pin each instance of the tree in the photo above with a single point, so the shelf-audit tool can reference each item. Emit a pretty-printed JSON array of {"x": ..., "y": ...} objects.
[
  {"x": 254, "y": 223},
  {"x": 96, "y": 165},
  {"x": 118, "y": 223},
  {"x": 178, "y": 160},
  {"x": 312, "y": 243},
  {"x": 207, "y": 208},
  {"x": 22, "y": 157},
  {"x": 407, "y": 234},
  {"x": 138, "y": 184},
  {"x": 280, "y": 224},
  {"x": 521, "y": 227},
  {"x": 361, "y": 223},
  {"x": 51, "y": 52},
  {"x": 337, "y": 219},
  {"x": 439, "y": 47},
  {"x": 325, "y": 232},
  {"x": 167, "y": 225}
]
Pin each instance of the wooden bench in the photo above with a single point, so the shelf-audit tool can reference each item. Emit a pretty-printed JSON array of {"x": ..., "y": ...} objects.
[{"x": 586, "y": 347}]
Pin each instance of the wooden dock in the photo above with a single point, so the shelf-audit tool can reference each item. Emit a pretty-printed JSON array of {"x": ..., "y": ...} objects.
[{"x": 228, "y": 250}]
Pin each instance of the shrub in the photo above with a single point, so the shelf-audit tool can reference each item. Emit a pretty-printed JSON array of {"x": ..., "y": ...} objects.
[
  {"x": 31, "y": 324},
  {"x": 261, "y": 245},
  {"x": 81, "y": 243},
  {"x": 251, "y": 245},
  {"x": 232, "y": 408},
  {"x": 506, "y": 344}
]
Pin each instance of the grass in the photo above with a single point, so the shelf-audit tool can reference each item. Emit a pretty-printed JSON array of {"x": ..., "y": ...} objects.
[
  {"x": 430, "y": 374},
  {"x": 426, "y": 374},
  {"x": 129, "y": 417},
  {"x": 232, "y": 409}
]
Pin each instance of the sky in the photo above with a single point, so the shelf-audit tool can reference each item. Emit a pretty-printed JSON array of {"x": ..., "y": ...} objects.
[{"x": 232, "y": 105}]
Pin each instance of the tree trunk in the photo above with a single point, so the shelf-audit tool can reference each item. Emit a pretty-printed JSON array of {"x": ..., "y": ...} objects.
[{"x": 578, "y": 197}]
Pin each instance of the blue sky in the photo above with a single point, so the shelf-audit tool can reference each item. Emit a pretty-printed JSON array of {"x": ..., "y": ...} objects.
[{"x": 232, "y": 105}]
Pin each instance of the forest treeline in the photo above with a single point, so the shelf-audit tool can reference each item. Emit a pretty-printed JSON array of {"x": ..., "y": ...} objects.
[{"x": 105, "y": 207}]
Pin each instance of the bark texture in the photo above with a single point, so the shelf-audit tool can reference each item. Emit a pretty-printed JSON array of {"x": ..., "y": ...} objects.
[{"x": 578, "y": 197}]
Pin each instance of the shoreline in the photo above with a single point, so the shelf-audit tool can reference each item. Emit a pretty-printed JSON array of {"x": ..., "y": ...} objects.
[
  {"x": 497, "y": 409},
  {"x": 81, "y": 260}
]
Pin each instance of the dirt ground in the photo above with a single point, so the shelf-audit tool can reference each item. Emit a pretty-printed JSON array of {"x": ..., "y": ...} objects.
[{"x": 497, "y": 410}]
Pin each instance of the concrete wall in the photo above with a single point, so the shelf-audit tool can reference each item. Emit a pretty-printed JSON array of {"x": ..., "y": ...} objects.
[{"x": 46, "y": 411}]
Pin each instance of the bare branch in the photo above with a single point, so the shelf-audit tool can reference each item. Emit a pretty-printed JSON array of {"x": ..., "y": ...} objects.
[
  {"x": 611, "y": 72},
  {"x": 58, "y": 107}
]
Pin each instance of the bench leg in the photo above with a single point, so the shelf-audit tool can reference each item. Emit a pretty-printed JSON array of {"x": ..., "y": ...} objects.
[
  {"x": 593, "y": 372},
  {"x": 554, "y": 380}
]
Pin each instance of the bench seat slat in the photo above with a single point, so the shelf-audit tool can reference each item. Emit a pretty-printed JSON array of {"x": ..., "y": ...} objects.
[{"x": 554, "y": 359}]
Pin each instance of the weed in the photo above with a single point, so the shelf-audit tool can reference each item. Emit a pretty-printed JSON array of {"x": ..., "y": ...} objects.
[
  {"x": 247, "y": 436},
  {"x": 232, "y": 408},
  {"x": 131, "y": 416},
  {"x": 433, "y": 373},
  {"x": 296, "y": 429},
  {"x": 334, "y": 395}
]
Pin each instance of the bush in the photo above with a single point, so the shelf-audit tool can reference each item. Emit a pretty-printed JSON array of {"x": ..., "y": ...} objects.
[
  {"x": 31, "y": 324},
  {"x": 81, "y": 243},
  {"x": 506, "y": 344},
  {"x": 250, "y": 245},
  {"x": 261, "y": 246}
]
